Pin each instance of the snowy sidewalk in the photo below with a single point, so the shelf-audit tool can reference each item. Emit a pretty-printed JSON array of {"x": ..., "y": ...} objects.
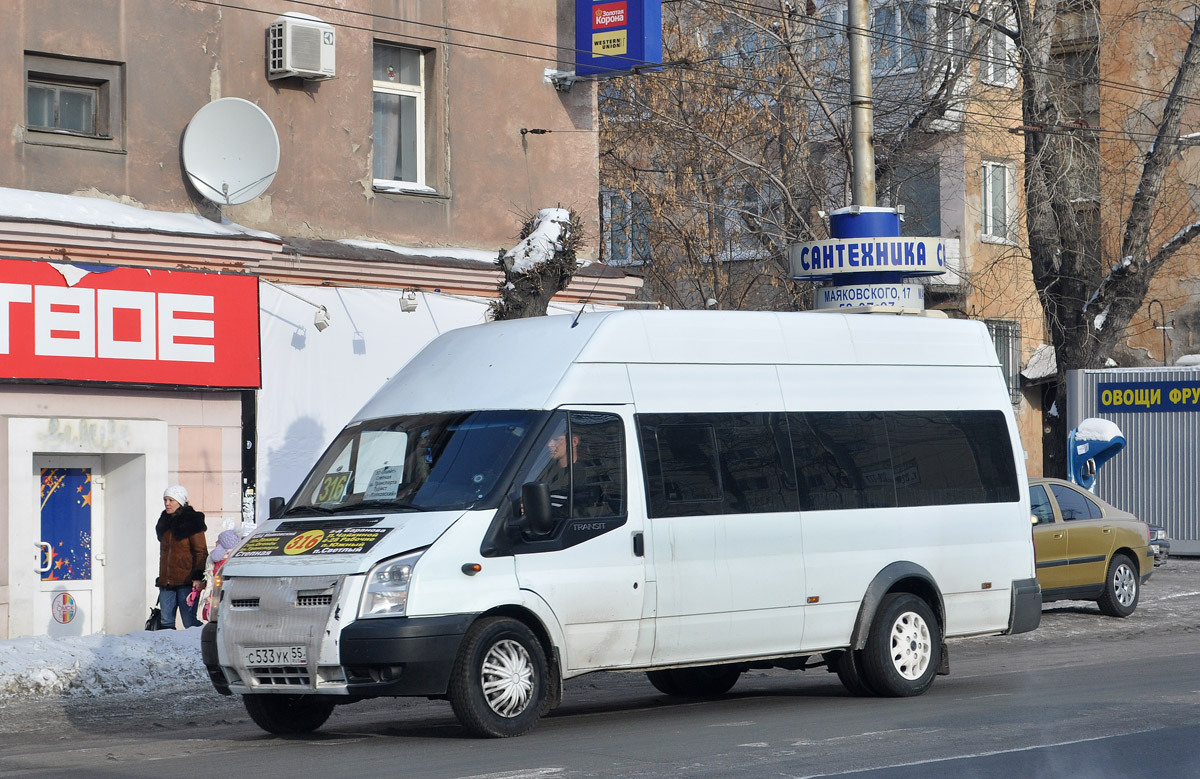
[{"x": 98, "y": 664}]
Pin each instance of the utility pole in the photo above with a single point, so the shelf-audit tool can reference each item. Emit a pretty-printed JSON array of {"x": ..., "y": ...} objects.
[
  {"x": 865, "y": 260},
  {"x": 862, "y": 183}
]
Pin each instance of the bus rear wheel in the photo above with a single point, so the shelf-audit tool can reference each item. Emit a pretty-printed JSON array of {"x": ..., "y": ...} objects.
[
  {"x": 849, "y": 671},
  {"x": 903, "y": 649}
]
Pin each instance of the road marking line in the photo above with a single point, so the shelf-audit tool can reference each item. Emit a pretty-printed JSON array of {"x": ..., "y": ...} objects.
[
  {"x": 980, "y": 754},
  {"x": 528, "y": 773}
]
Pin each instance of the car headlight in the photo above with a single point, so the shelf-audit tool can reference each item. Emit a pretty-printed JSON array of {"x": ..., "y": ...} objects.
[
  {"x": 386, "y": 593},
  {"x": 214, "y": 599}
]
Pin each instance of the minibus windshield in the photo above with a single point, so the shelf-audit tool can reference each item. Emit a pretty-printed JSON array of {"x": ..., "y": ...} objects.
[{"x": 422, "y": 462}]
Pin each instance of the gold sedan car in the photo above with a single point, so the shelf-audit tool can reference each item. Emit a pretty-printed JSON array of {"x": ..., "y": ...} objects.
[{"x": 1087, "y": 549}]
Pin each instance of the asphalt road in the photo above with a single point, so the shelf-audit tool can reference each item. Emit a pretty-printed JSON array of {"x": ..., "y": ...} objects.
[{"x": 1083, "y": 696}]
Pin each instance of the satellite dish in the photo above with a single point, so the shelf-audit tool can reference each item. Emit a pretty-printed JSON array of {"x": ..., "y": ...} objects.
[{"x": 230, "y": 151}]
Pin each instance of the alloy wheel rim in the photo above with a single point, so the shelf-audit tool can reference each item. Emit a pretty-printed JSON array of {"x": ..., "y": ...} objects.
[
  {"x": 1124, "y": 585},
  {"x": 507, "y": 678},
  {"x": 911, "y": 645}
]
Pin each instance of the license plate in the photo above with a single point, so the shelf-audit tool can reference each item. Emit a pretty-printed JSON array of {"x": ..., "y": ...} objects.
[{"x": 277, "y": 655}]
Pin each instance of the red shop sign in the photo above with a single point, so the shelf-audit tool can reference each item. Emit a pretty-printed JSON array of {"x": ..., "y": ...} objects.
[
  {"x": 609, "y": 15},
  {"x": 127, "y": 325}
]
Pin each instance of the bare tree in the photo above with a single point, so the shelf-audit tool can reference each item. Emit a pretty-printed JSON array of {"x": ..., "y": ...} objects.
[
  {"x": 540, "y": 266},
  {"x": 732, "y": 151},
  {"x": 1102, "y": 213}
]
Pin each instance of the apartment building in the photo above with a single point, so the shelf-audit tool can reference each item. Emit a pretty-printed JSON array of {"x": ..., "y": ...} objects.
[
  {"x": 949, "y": 143},
  {"x": 222, "y": 228}
]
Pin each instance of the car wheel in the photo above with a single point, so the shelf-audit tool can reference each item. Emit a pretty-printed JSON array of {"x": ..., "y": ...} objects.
[
  {"x": 849, "y": 671},
  {"x": 498, "y": 685},
  {"x": 664, "y": 682},
  {"x": 903, "y": 649},
  {"x": 1121, "y": 588},
  {"x": 288, "y": 714},
  {"x": 706, "y": 681}
]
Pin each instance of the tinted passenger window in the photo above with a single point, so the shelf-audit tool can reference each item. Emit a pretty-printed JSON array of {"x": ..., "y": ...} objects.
[
  {"x": 698, "y": 464},
  {"x": 842, "y": 460},
  {"x": 1074, "y": 506},
  {"x": 1039, "y": 504},
  {"x": 951, "y": 457}
]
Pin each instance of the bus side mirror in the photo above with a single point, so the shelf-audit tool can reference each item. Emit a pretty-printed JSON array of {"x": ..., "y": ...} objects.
[
  {"x": 535, "y": 502},
  {"x": 275, "y": 507}
]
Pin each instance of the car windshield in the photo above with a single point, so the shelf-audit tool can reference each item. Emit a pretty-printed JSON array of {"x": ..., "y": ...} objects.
[{"x": 422, "y": 462}]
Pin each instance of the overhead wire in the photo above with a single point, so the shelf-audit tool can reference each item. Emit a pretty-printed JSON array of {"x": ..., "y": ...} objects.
[{"x": 834, "y": 28}]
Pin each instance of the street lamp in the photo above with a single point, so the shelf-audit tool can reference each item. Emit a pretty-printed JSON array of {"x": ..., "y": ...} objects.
[{"x": 1164, "y": 326}]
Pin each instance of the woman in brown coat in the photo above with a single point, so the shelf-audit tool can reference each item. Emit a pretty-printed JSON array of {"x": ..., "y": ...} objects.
[{"x": 182, "y": 551}]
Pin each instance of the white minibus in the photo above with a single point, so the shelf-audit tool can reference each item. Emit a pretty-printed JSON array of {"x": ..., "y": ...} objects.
[{"x": 689, "y": 494}]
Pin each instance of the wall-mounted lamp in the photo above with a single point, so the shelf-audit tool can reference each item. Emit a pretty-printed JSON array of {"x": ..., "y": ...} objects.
[
  {"x": 320, "y": 319},
  {"x": 408, "y": 302}
]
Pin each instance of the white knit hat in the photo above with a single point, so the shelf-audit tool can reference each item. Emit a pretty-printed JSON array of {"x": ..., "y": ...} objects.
[{"x": 177, "y": 493}]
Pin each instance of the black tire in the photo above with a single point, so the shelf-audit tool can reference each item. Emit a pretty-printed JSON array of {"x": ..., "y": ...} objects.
[
  {"x": 664, "y": 682},
  {"x": 849, "y": 671},
  {"x": 288, "y": 714},
  {"x": 705, "y": 681},
  {"x": 904, "y": 647},
  {"x": 499, "y": 683},
  {"x": 1122, "y": 587}
]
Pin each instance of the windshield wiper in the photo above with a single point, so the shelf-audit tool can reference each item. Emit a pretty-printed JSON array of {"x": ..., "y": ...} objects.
[
  {"x": 314, "y": 509},
  {"x": 377, "y": 504}
]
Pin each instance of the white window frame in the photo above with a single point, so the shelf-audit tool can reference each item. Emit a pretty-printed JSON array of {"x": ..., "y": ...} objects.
[
  {"x": 951, "y": 30},
  {"x": 417, "y": 92},
  {"x": 997, "y": 62},
  {"x": 906, "y": 43},
  {"x": 997, "y": 228}
]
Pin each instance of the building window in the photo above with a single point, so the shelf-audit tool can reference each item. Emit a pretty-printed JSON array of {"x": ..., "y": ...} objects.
[
  {"x": 66, "y": 107},
  {"x": 953, "y": 33},
  {"x": 899, "y": 32},
  {"x": 997, "y": 201},
  {"x": 997, "y": 64},
  {"x": 625, "y": 228},
  {"x": 1006, "y": 335},
  {"x": 916, "y": 185},
  {"x": 399, "y": 87},
  {"x": 75, "y": 103}
]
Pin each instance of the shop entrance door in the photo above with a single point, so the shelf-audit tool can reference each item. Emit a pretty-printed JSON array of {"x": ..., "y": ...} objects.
[{"x": 70, "y": 502}]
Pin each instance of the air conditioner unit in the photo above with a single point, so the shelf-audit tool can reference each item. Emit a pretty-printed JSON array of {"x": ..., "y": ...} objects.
[{"x": 300, "y": 45}]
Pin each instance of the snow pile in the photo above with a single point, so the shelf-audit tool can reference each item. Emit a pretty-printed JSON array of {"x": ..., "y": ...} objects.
[
  {"x": 97, "y": 212},
  {"x": 1096, "y": 429},
  {"x": 478, "y": 255},
  {"x": 542, "y": 242},
  {"x": 100, "y": 664},
  {"x": 1042, "y": 364}
]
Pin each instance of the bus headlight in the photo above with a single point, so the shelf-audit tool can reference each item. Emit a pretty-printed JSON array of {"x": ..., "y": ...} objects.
[
  {"x": 214, "y": 599},
  {"x": 386, "y": 593}
]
